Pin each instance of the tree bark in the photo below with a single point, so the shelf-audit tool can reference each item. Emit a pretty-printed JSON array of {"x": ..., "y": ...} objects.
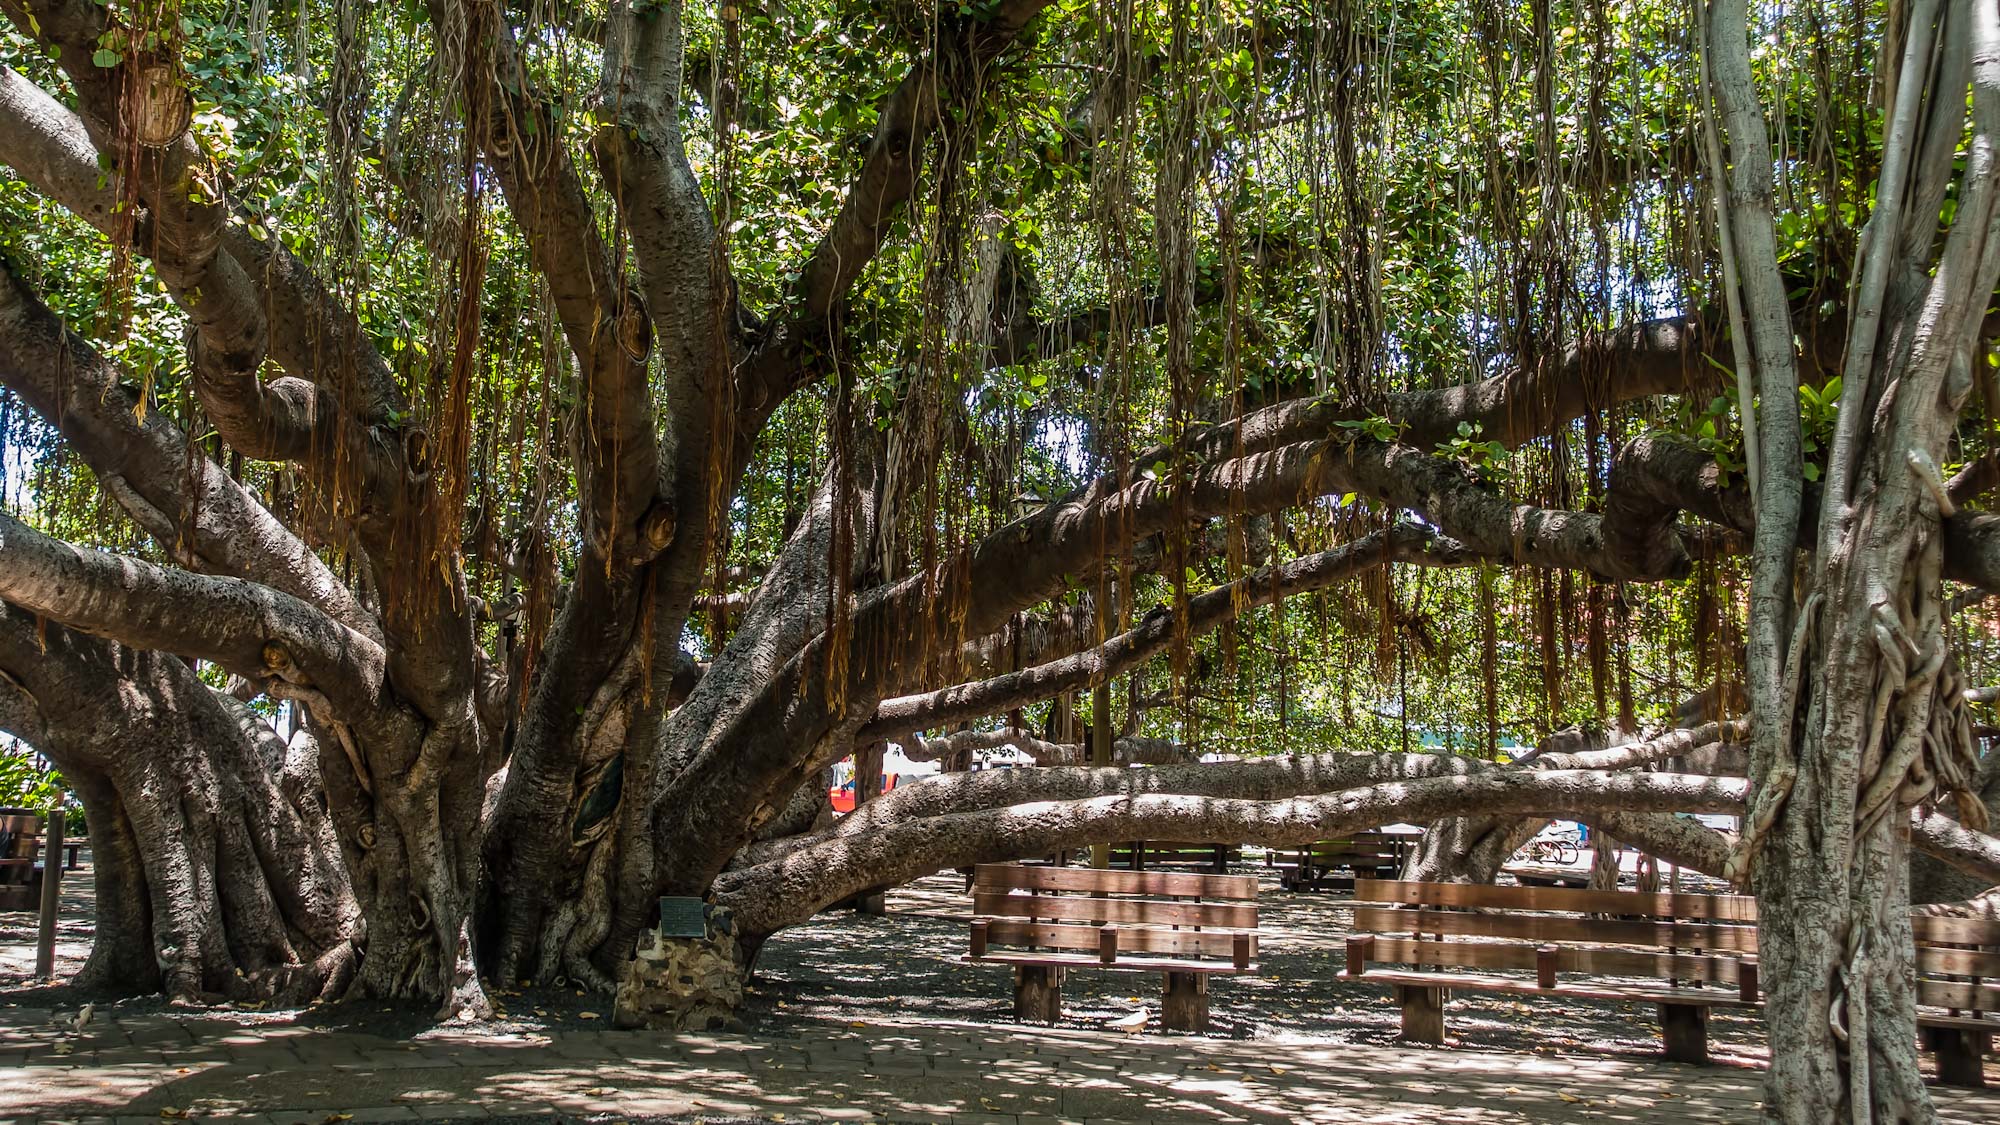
[{"x": 216, "y": 869}]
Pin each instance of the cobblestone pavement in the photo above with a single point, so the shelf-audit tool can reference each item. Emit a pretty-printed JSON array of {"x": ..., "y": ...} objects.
[{"x": 150, "y": 1066}]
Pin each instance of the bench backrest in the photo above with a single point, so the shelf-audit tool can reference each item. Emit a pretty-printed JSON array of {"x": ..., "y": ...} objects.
[
  {"x": 1958, "y": 963},
  {"x": 1361, "y": 845},
  {"x": 20, "y": 843},
  {"x": 1110, "y": 912},
  {"x": 1677, "y": 936}
]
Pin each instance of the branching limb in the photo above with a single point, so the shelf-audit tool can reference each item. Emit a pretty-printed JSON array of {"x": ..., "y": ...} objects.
[
  {"x": 1405, "y": 543},
  {"x": 249, "y": 629},
  {"x": 948, "y": 75},
  {"x": 772, "y": 895},
  {"x": 1124, "y": 752},
  {"x": 197, "y": 512}
]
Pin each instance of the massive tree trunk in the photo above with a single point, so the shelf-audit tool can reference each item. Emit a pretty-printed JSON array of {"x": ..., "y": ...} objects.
[
  {"x": 216, "y": 869},
  {"x": 1860, "y": 712}
]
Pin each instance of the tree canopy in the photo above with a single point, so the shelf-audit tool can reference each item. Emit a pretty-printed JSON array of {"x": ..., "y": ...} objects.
[{"x": 578, "y": 424}]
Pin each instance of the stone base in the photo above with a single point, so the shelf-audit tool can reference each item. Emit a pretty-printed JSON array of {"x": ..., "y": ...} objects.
[{"x": 684, "y": 984}]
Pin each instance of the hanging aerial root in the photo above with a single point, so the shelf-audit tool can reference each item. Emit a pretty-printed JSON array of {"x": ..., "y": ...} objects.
[
  {"x": 1954, "y": 760},
  {"x": 1784, "y": 772}
]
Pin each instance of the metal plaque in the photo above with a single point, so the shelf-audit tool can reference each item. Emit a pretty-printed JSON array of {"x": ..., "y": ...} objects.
[{"x": 683, "y": 917}]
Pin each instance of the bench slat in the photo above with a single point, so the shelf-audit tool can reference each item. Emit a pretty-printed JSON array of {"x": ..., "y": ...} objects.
[
  {"x": 1958, "y": 962},
  {"x": 1554, "y": 927},
  {"x": 1050, "y": 935},
  {"x": 1960, "y": 931},
  {"x": 1241, "y": 916},
  {"x": 1723, "y": 908},
  {"x": 1568, "y": 959},
  {"x": 1712, "y": 997},
  {"x": 1125, "y": 964},
  {"x": 1001, "y": 876},
  {"x": 1968, "y": 995}
]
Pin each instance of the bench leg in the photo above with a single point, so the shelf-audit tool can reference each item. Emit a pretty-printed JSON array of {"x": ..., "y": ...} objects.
[
  {"x": 1423, "y": 1013},
  {"x": 1038, "y": 993},
  {"x": 1960, "y": 1055},
  {"x": 1184, "y": 1004},
  {"x": 1685, "y": 1029}
]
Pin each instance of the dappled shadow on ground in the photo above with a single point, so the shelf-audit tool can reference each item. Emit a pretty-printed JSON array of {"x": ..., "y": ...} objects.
[
  {"x": 876, "y": 1018},
  {"x": 76, "y": 920}
]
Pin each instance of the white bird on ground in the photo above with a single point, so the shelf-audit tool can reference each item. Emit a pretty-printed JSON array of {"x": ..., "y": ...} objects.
[
  {"x": 1132, "y": 1024},
  {"x": 83, "y": 1017}
]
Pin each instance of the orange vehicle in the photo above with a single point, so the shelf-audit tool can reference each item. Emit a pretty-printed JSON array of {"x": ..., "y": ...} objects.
[{"x": 843, "y": 794}]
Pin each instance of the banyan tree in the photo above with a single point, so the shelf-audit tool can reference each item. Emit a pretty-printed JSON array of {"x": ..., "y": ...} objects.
[{"x": 472, "y": 467}]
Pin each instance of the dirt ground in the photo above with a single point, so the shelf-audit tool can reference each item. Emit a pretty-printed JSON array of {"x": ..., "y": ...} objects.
[{"x": 846, "y": 969}]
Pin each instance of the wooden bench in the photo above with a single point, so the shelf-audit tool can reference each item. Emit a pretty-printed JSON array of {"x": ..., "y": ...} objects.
[
  {"x": 22, "y": 864},
  {"x": 1686, "y": 953},
  {"x": 1143, "y": 854},
  {"x": 1045, "y": 921},
  {"x": 1336, "y": 864},
  {"x": 24, "y": 886},
  {"x": 1958, "y": 993}
]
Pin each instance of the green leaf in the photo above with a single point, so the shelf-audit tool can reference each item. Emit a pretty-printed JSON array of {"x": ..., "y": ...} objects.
[{"x": 106, "y": 58}]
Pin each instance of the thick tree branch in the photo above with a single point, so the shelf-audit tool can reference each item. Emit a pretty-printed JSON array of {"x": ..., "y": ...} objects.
[
  {"x": 229, "y": 280},
  {"x": 772, "y": 895},
  {"x": 949, "y": 74},
  {"x": 249, "y": 629},
  {"x": 603, "y": 318},
  {"x": 188, "y": 503},
  {"x": 1124, "y": 752},
  {"x": 1404, "y": 543}
]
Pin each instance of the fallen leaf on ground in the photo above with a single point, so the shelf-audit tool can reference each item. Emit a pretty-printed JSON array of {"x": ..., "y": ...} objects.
[
  {"x": 601, "y": 1091},
  {"x": 336, "y": 1118},
  {"x": 1568, "y": 1097},
  {"x": 170, "y": 1111},
  {"x": 1277, "y": 1070},
  {"x": 586, "y": 1015}
]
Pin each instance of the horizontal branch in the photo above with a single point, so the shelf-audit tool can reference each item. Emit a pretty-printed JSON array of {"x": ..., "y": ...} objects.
[
  {"x": 772, "y": 895},
  {"x": 1124, "y": 751},
  {"x": 197, "y": 512},
  {"x": 1404, "y": 543},
  {"x": 246, "y": 628}
]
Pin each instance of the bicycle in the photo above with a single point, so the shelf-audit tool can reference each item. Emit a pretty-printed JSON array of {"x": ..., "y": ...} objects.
[{"x": 1556, "y": 850}]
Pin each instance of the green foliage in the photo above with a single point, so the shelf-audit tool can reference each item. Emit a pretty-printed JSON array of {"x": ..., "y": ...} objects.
[
  {"x": 1819, "y": 410},
  {"x": 27, "y": 781},
  {"x": 1486, "y": 460},
  {"x": 1387, "y": 198}
]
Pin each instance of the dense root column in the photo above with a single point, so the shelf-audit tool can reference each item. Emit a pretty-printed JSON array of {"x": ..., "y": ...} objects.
[{"x": 216, "y": 870}]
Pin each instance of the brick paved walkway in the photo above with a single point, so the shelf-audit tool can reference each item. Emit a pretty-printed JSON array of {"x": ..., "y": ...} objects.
[{"x": 143, "y": 1067}]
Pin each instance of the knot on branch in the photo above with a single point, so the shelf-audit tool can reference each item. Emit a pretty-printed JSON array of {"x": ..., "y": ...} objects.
[
  {"x": 635, "y": 327},
  {"x": 417, "y": 453},
  {"x": 279, "y": 663},
  {"x": 158, "y": 108},
  {"x": 656, "y": 529}
]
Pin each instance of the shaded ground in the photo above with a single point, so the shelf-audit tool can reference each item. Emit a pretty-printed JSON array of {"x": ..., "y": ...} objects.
[
  {"x": 855, "y": 1017},
  {"x": 74, "y": 923}
]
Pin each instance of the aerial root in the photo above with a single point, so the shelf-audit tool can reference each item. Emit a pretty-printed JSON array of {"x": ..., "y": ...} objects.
[{"x": 1770, "y": 798}]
